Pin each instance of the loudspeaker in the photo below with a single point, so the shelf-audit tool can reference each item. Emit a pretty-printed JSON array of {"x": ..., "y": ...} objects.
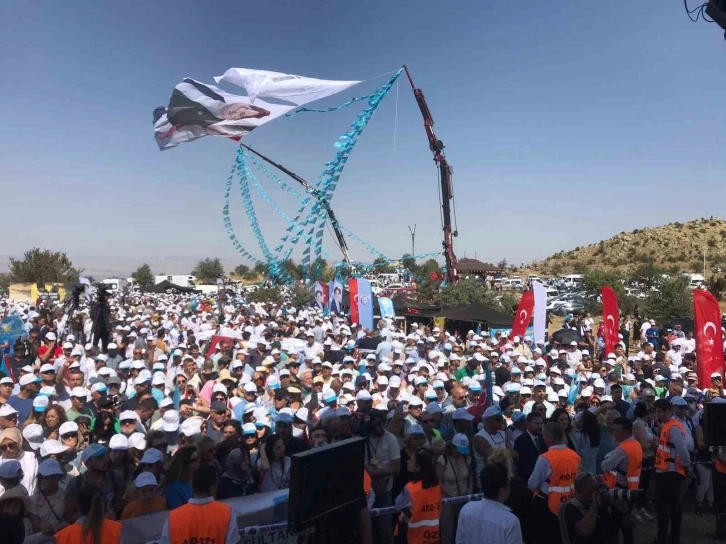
[{"x": 714, "y": 415}]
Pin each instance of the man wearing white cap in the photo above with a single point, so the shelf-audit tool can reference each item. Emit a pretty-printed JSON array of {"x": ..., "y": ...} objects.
[{"x": 23, "y": 401}]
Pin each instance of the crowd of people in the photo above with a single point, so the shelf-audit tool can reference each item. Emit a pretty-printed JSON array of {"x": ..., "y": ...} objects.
[{"x": 195, "y": 401}]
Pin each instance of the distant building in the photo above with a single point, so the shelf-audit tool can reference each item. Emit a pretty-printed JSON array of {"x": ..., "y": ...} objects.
[{"x": 475, "y": 267}]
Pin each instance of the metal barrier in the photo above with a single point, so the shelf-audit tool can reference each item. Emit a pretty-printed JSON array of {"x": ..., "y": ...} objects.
[{"x": 375, "y": 512}]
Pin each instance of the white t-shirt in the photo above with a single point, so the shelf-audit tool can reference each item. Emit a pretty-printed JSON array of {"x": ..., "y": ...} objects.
[{"x": 385, "y": 450}]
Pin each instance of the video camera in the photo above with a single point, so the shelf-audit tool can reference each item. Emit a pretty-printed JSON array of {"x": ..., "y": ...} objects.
[{"x": 633, "y": 497}]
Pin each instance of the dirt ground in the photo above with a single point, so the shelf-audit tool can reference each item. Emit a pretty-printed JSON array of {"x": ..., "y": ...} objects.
[{"x": 695, "y": 528}]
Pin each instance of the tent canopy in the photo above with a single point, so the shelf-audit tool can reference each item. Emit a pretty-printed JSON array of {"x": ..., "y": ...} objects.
[
  {"x": 165, "y": 285},
  {"x": 478, "y": 313}
]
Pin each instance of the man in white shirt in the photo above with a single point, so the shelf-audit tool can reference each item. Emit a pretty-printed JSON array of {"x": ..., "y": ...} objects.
[
  {"x": 689, "y": 343},
  {"x": 488, "y": 520},
  {"x": 574, "y": 355}
]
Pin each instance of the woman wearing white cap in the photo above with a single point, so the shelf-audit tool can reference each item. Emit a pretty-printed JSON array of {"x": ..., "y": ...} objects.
[{"x": 48, "y": 501}]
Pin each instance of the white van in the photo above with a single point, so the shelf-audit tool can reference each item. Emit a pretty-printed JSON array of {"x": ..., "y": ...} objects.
[
  {"x": 572, "y": 280},
  {"x": 694, "y": 280}
]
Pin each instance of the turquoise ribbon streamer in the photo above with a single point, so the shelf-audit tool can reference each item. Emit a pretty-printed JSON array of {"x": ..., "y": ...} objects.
[{"x": 306, "y": 227}]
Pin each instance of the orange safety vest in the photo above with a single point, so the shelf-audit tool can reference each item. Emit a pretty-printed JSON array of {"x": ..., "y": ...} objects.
[
  {"x": 561, "y": 484},
  {"x": 666, "y": 454},
  {"x": 110, "y": 534},
  {"x": 423, "y": 527},
  {"x": 367, "y": 483},
  {"x": 199, "y": 523},
  {"x": 634, "y": 451}
]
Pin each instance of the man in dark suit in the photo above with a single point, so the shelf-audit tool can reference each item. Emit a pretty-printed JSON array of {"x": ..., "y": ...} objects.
[{"x": 529, "y": 445}]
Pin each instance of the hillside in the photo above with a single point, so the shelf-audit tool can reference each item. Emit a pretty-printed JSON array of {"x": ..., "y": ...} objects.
[{"x": 677, "y": 247}]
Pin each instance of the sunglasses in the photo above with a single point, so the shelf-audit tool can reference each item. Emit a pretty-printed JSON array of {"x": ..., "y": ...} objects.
[
  {"x": 68, "y": 435},
  {"x": 219, "y": 413},
  {"x": 8, "y": 447},
  {"x": 426, "y": 421}
]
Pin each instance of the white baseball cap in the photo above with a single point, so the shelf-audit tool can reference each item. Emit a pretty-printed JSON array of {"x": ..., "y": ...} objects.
[
  {"x": 52, "y": 447},
  {"x": 171, "y": 421},
  {"x": 33, "y": 434},
  {"x": 118, "y": 442},
  {"x": 138, "y": 440},
  {"x": 68, "y": 427}
]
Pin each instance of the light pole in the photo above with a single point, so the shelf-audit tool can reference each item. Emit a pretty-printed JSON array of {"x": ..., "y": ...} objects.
[{"x": 413, "y": 239}]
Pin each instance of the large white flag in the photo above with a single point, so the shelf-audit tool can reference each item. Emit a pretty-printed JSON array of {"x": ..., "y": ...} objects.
[
  {"x": 296, "y": 89},
  {"x": 198, "y": 109},
  {"x": 540, "y": 311}
]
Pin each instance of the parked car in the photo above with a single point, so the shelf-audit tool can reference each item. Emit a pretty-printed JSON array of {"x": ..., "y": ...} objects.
[{"x": 570, "y": 307}]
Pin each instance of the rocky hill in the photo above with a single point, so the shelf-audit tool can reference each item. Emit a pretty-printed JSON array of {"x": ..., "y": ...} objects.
[{"x": 677, "y": 247}]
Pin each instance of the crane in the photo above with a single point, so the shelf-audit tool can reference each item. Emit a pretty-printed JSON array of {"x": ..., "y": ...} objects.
[{"x": 445, "y": 178}]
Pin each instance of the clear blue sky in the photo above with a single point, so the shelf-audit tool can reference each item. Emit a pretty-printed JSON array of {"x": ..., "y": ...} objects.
[{"x": 565, "y": 122}]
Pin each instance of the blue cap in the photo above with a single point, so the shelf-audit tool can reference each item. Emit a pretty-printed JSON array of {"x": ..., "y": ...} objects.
[
  {"x": 474, "y": 386},
  {"x": 93, "y": 450},
  {"x": 283, "y": 418}
]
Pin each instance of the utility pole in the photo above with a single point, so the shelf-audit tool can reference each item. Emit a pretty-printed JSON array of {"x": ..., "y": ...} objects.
[
  {"x": 704, "y": 264},
  {"x": 413, "y": 239}
]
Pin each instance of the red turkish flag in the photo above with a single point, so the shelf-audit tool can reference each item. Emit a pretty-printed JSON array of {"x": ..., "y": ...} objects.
[
  {"x": 709, "y": 340},
  {"x": 353, "y": 292},
  {"x": 523, "y": 316},
  {"x": 611, "y": 319}
]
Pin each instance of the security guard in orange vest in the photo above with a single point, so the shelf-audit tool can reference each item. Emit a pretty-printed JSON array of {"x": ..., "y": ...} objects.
[
  {"x": 420, "y": 501},
  {"x": 621, "y": 469},
  {"x": 202, "y": 519},
  {"x": 672, "y": 462},
  {"x": 553, "y": 482},
  {"x": 92, "y": 521}
]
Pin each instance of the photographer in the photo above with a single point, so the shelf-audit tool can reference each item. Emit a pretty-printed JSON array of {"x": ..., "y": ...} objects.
[{"x": 584, "y": 518}]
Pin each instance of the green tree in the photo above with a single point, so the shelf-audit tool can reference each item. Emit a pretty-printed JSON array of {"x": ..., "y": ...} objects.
[
  {"x": 293, "y": 268},
  {"x": 509, "y": 301},
  {"x": 43, "y": 265},
  {"x": 502, "y": 264},
  {"x": 717, "y": 286},
  {"x": 408, "y": 262},
  {"x": 143, "y": 276},
  {"x": 266, "y": 294},
  {"x": 465, "y": 292},
  {"x": 648, "y": 274},
  {"x": 301, "y": 296},
  {"x": 381, "y": 265},
  {"x": 242, "y": 270},
  {"x": 262, "y": 269},
  {"x": 674, "y": 299},
  {"x": 428, "y": 290},
  {"x": 425, "y": 269},
  {"x": 5, "y": 281},
  {"x": 208, "y": 270}
]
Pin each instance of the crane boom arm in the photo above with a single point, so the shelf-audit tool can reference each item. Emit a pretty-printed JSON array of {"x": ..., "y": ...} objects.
[
  {"x": 445, "y": 178},
  {"x": 318, "y": 196}
]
